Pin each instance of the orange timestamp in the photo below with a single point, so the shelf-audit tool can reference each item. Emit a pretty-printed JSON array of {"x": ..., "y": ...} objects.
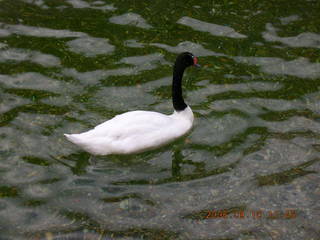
[{"x": 253, "y": 214}]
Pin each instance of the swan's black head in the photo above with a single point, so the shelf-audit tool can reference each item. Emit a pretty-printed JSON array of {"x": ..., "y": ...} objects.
[{"x": 186, "y": 59}]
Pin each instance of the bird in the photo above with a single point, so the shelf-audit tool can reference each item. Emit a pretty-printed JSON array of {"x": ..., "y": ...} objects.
[{"x": 138, "y": 131}]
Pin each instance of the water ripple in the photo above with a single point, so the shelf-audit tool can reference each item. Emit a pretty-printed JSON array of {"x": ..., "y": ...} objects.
[
  {"x": 207, "y": 90},
  {"x": 99, "y": 5},
  {"x": 90, "y": 46},
  {"x": 289, "y": 19},
  {"x": 141, "y": 63},
  {"x": 38, "y": 31},
  {"x": 17, "y": 55},
  {"x": 300, "y": 67},
  {"x": 30, "y": 81},
  {"x": 213, "y": 29},
  {"x": 188, "y": 46},
  {"x": 133, "y": 19},
  {"x": 306, "y": 39}
]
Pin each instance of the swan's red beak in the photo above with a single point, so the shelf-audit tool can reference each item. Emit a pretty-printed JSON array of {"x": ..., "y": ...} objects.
[{"x": 195, "y": 62}]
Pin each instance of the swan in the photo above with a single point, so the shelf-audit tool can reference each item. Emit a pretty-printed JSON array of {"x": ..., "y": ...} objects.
[{"x": 138, "y": 131}]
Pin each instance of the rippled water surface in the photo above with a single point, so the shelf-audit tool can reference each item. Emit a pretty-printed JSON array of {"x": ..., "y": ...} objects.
[{"x": 253, "y": 154}]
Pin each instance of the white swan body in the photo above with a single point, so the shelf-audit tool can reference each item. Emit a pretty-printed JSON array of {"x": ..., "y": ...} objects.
[
  {"x": 137, "y": 131},
  {"x": 134, "y": 132}
]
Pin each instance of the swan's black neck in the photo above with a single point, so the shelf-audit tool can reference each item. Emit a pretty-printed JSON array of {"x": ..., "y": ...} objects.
[{"x": 177, "y": 99}]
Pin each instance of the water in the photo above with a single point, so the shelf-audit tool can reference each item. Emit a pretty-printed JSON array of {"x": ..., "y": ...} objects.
[{"x": 254, "y": 150}]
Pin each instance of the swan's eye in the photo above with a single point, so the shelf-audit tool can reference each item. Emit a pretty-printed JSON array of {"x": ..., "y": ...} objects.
[{"x": 195, "y": 60}]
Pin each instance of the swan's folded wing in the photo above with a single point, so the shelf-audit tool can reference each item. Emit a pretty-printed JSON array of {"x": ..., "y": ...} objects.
[{"x": 132, "y": 123}]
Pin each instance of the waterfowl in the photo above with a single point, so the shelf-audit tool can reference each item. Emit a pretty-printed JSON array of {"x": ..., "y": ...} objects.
[{"x": 138, "y": 131}]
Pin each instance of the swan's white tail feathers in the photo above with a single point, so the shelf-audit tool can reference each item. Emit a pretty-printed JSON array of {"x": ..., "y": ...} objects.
[
  {"x": 75, "y": 138},
  {"x": 92, "y": 146}
]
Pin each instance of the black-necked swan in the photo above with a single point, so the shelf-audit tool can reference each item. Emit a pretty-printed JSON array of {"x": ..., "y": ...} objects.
[{"x": 137, "y": 131}]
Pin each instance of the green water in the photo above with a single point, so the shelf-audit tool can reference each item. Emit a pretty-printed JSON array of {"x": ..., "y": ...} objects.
[{"x": 68, "y": 65}]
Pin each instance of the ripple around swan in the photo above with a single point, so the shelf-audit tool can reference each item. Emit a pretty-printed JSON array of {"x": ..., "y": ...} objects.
[{"x": 222, "y": 128}]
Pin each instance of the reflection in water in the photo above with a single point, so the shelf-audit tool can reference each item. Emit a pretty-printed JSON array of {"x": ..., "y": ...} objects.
[
  {"x": 81, "y": 161},
  {"x": 254, "y": 145}
]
